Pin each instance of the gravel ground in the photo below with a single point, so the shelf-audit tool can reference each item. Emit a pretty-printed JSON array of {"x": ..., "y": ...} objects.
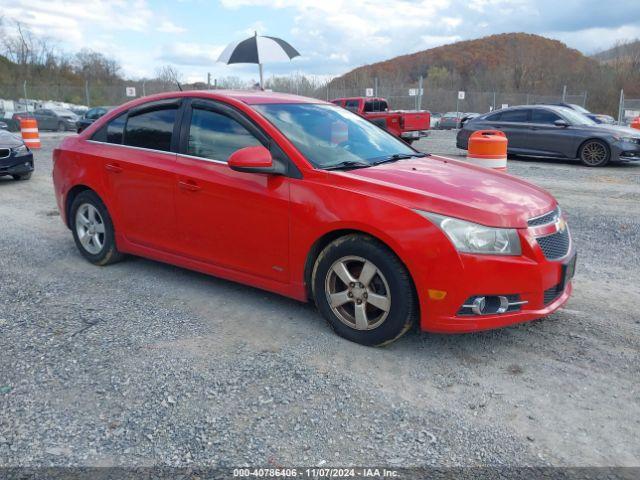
[{"x": 143, "y": 363}]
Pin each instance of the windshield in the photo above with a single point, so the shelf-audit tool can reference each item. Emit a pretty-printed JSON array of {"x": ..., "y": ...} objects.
[
  {"x": 580, "y": 109},
  {"x": 576, "y": 118},
  {"x": 329, "y": 136},
  {"x": 65, "y": 113}
]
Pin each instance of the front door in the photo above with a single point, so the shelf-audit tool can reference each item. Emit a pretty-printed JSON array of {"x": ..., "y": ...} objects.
[
  {"x": 231, "y": 219},
  {"x": 514, "y": 124}
]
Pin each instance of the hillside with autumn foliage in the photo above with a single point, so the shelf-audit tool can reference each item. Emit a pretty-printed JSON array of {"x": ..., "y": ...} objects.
[{"x": 510, "y": 62}]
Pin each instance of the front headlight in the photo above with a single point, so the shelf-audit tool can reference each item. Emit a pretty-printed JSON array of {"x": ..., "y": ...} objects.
[
  {"x": 21, "y": 149},
  {"x": 470, "y": 237},
  {"x": 629, "y": 140}
]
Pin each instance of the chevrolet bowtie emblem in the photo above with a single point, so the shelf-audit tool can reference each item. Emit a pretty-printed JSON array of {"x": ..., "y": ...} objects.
[{"x": 560, "y": 224}]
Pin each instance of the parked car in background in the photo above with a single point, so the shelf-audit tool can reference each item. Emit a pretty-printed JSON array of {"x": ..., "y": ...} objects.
[
  {"x": 450, "y": 120},
  {"x": 15, "y": 157},
  {"x": 557, "y": 132},
  {"x": 90, "y": 116},
  {"x": 408, "y": 125},
  {"x": 596, "y": 117},
  {"x": 60, "y": 120},
  {"x": 306, "y": 199},
  {"x": 435, "y": 120},
  {"x": 466, "y": 117},
  {"x": 4, "y": 126}
]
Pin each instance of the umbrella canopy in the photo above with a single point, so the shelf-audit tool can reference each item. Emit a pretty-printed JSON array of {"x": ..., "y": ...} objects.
[{"x": 258, "y": 49}]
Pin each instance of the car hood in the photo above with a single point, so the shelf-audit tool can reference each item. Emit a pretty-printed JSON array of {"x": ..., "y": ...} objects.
[
  {"x": 453, "y": 188},
  {"x": 9, "y": 140},
  {"x": 617, "y": 130}
]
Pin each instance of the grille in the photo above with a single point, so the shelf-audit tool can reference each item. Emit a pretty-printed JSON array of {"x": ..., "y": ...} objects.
[
  {"x": 556, "y": 245},
  {"x": 550, "y": 294},
  {"x": 544, "y": 219},
  {"x": 4, "y": 152}
]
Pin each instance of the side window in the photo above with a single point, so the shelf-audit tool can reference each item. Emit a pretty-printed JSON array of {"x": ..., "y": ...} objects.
[
  {"x": 151, "y": 129},
  {"x": 93, "y": 114},
  {"x": 351, "y": 105},
  {"x": 112, "y": 132},
  {"x": 494, "y": 117},
  {"x": 383, "y": 106},
  {"x": 518, "y": 116},
  {"x": 544, "y": 116},
  {"x": 215, "y": 136}
]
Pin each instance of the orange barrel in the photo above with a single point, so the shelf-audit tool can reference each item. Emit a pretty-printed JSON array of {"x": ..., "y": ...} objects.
[
  {"x": 636, "y": 123},
  {"x": 488, "y": 148},
  {"x": 29, "y": 131}
]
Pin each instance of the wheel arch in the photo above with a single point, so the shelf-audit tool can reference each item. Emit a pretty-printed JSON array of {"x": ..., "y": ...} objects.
[
  {"x": 328, "y": 237},
  {"x": 71, "y": 196},
  {"x": 590, "y": 139}
]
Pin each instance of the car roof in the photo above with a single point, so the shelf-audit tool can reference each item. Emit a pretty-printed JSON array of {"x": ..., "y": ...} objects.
[{"x": 250, "y": 97}]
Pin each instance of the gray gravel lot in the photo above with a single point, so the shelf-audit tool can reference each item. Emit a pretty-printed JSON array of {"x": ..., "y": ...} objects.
[{"x": 143, "y": 363}]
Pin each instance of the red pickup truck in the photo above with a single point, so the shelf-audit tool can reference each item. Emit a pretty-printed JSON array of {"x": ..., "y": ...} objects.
[{"x": 408, "y": 125}]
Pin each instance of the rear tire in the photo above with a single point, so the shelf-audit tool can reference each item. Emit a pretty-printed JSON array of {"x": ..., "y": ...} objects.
[
  {"x": 93, "y": 229},
  {"x": 594, "y": 153},
  {"x": 364, "y": 291}
]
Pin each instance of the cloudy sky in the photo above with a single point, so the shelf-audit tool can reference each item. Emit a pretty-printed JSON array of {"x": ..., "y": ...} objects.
[{"x": 332, "y": 35}]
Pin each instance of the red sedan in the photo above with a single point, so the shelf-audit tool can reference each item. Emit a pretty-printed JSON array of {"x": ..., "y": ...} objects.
[{"x": 309, "y": 200}]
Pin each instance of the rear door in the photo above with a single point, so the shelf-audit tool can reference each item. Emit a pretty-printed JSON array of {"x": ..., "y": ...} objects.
[
  {"x": 141, "y": 174},
  {"x": 547, "y": 138},
  {"x": 231, "y": 219},
  {"x": 515, "y": 124}
]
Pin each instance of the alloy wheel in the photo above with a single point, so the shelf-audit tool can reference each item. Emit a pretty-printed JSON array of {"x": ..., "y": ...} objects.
[
  {"x": 358, "y": 293},
  {"x": 594, "y": 153},
  {"x": 90, "y": 228}
]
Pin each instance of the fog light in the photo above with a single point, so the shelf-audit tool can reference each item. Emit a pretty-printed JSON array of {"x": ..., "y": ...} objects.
[{"x": 491, "y": 305}]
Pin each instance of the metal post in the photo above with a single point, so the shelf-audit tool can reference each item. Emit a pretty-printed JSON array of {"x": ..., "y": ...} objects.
[
  {"x": 621, "y": 107},
  {"x": 564, "y": 93},
  {"x": 86, "y": 92},
  {"x": 494, "y": 100},
  {"x": 584, "y": 99},
  {"x": 208, "y": 81},
  {"x": 420, "y": 93},
  {"x": 261, "y": 81},
  {"x": 24, "y": 87},
  {"x": 375, "y": 87},
  {"x": 144, "y": 90}
]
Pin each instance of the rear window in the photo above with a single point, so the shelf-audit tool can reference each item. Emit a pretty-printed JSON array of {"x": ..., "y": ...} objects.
[
  {"x": 151, "y": 129},
  {"x": 112, "y": 132}
]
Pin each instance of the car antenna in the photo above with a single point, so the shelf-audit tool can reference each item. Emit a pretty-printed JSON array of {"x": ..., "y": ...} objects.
[{"x": 179, "y": 86}]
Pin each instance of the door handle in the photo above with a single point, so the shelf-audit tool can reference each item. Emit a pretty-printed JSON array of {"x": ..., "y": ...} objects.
[
  {"x": 189, "y": 185},
  {"x": 113, "y": 167}
]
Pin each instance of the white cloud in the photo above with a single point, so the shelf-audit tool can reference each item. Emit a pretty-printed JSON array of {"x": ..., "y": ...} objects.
[
  {"x": 167, "y": 26},
  {"x": 185, "y": 53}
]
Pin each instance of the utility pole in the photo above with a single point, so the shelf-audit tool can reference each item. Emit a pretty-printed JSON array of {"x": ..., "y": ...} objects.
[
  {"x": 621, "y": 107},
  {"x": 564, "y": 93},
  {"x": 420, "y": 93},
  {"x": 144, "y": 90},
  {"x": 375, "y": 87},
  {"x": 208, "y": 81},
  {"x": 86, "y": 92}
]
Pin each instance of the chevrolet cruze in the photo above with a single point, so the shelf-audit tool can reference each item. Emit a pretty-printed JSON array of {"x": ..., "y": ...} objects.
[{"x": 311, "y": 201}]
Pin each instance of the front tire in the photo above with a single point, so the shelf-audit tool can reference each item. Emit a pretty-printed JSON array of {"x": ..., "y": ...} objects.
[
  {"x": 364, "y": 291},
  {"x": 25, "y": 176},
  {"x": 93, "y": 229},
  {"x": 594, "y": 153}
]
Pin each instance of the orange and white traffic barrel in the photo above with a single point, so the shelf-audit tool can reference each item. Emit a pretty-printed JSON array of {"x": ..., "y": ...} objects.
[
  {"x": 636, "y": 123},
  {"x": 29, "y": 131},
  {"x": 488, "y": 148}
]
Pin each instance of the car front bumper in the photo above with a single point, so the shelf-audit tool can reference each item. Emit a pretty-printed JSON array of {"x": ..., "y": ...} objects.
[
  {"x": 625, "y": 151},
  {"x": 451, "y": 282},
  {"x": 16, "y": 164}
]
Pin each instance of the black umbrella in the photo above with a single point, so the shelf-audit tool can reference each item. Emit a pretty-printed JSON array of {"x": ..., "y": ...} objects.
[{"x": 258, "y": 49}]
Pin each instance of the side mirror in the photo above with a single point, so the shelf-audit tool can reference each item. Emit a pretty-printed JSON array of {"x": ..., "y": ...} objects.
[
  {"x": 253, "y": 160},
  {"x": 561, "y": 123}
]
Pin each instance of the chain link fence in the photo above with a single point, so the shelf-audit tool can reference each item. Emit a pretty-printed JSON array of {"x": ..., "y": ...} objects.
[{"x": 408, "y": 96}]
